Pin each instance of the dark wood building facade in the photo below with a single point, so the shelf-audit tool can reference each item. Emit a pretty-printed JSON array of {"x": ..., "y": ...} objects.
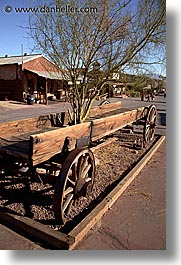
[{"x": 30, "y": 74}]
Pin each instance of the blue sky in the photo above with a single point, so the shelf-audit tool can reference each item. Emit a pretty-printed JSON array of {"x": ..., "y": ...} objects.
[{"x": 12, "y": 35}]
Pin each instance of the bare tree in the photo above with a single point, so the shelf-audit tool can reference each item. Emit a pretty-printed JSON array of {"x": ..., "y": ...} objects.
[{"x": 90, "y": 40}]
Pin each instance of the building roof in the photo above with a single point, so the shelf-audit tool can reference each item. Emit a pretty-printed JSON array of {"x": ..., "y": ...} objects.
[
  {"x": 49, "y": 74},
  {"x": 58, "y": 75},
  {"x": 18, "y": 59}
]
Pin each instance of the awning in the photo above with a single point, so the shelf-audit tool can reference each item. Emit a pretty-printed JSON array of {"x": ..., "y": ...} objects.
[{"x": 49, "y": 75}]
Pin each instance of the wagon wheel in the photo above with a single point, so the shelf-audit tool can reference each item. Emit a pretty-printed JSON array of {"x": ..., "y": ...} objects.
[
  {"x": 150, "y": 124},
  {"x": 75, "y": 179},
  {"x": 104, "y": 102}
]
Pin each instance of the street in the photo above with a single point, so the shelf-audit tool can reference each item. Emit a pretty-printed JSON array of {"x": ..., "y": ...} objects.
[{"x": 10, "y": 111}]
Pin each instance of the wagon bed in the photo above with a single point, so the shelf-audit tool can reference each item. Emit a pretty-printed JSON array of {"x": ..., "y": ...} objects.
[
  {"x": 39, "y": 144},
  {"x": 19, "y": 145},
  {"x": 15, "y": 135}
]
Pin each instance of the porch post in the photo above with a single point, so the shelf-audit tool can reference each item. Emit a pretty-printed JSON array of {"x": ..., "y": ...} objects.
[{"x": 46, "y": 91}]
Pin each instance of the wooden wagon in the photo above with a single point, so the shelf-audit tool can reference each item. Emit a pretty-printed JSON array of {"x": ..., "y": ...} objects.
[{"x": 65, "y": 151}]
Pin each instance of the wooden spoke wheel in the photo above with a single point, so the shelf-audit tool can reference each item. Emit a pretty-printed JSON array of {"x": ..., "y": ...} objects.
[
  {"x": 75, "y": 179},
  {"x": 150, "y": 124}
]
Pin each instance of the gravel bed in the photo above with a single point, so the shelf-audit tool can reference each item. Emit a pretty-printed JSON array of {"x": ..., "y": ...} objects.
[{"x": 33, "y": 198}]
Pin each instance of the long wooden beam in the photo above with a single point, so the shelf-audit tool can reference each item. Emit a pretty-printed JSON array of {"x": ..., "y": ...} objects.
[
  {"x": 47, "y": 144},
  {"x": 36, "y": 229},
  {"x": 29, "y": 125},
  {"x": 107, "y": 125},
  {"x": 17, "y": 127},
  {"x": 98, "y": 110}
]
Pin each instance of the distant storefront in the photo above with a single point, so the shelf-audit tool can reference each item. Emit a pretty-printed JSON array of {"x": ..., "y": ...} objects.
[{"x": 30, "y": 74}]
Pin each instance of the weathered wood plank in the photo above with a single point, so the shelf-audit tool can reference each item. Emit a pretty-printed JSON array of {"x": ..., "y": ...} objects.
[
  {"x": 36, "y": 229},
  {"x": 106, "y": 114},
  {"x": 16, "y": 146},
  {"x": 107, "y": 125},
  {"x": 18, "y": 127},
  {"x": 98, "y": 110},
  {"x": 47, "y": 144},
  {"x": 24, "y": 126}
]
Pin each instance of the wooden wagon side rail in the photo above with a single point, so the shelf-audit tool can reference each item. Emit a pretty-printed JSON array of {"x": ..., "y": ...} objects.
[
  {"x": 98, "y": 110},
  {"x": 23, "y": 126},
  {"x": 47, "y": 144},
  {"x": 15, "y": 135},
  {"x": 107, "y": 125},
  {"x": 18, "y": 127}
]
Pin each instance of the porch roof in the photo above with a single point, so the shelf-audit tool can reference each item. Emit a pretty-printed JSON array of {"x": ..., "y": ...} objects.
[{"x": 49, "y": 75}]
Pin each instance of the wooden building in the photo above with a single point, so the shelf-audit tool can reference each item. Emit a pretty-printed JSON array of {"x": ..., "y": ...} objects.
[{"x": 30, "y": 74}]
